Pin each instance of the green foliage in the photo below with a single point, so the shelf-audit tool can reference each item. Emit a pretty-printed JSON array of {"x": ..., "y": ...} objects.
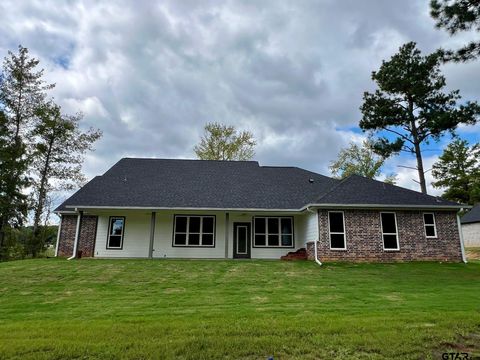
[
  {"x": 222, "y": 142},
  {"x": 411, "y": 105},
  {"x": 39, "y": 147},
  {"x": 458, "y": 16},
  {"x": 458, "y": 170},
  {"x": 252, "y": 309},
  {"x": 13, "y": 180},
  {"x": 361, "y": 160},
  {"x": 58, "y": 154},
  {"x": 22, "y": 91}
]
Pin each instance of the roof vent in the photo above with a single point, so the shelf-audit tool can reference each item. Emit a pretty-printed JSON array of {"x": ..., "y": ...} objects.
[{"x": 311, "y": 180}]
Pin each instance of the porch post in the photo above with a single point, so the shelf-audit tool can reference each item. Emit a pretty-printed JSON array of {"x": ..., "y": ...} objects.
[
  {"x": 227, "y": 220},
  {"x": 152, "y": 235}
]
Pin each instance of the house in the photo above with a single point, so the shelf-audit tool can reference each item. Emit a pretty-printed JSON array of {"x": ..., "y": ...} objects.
[
  {"x": 471, "y": 227},
  {"x": 160, "y": 208}
]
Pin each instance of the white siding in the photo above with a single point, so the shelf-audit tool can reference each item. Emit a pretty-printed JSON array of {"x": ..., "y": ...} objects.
[
  {"x": 471, "y": 234},
  {"x": 135, "y": 240},
  {"x": 311, "y": 226},
  {"x": 164, "y": 237},
  {"x": 269, "y": 253},
  {"x": 137, "y": 234}
]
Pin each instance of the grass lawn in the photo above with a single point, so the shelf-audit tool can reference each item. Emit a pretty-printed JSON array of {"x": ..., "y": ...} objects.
[{"x": 162, "y": 309}]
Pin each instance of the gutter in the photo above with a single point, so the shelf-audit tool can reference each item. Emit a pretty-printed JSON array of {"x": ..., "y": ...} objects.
[
  {"x": 323, "y": 206},
  {"x": 460, "y": 233},
  {"x": 77, "y": 236},
  {"x": 315, "y": 243}
]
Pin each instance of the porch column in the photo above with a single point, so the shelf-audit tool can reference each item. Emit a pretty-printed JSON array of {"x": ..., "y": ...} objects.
[
  {"x": 152, "y": 235},
  {"x": 227, "y": 220}
]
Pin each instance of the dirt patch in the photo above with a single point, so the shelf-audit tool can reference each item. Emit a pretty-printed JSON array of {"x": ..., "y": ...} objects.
[
  {"x": 467, "y": 344},
  {"x": 473, "y": 253}
]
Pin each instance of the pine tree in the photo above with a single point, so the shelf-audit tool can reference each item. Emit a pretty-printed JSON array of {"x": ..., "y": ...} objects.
[
  {"x": 412, "y": 106},
  {"x": 458, "y": 170},
  {"x": 457, "y": 16}
]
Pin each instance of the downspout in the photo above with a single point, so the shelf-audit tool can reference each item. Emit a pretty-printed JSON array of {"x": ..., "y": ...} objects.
[
  {"x": 460, "y": 233},
  {"x": 77, "y": 236},
  {"x": 58, "y": 235},
  {"x": 316, "y": 239}
]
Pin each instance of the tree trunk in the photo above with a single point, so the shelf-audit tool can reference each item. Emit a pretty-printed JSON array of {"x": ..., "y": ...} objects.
[
  {"x": 421, "y": 172},
  {"x": 42, "y": 189},
  {"x": 418, "y": 155},
  {"x": 418, "y": 150}
]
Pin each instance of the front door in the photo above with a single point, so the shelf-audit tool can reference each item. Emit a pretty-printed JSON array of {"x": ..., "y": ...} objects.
[{"x": 241, "y": 240}]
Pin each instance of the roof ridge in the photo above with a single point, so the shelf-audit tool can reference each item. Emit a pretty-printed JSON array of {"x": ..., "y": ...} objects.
[{"x": 184, "y": 159}]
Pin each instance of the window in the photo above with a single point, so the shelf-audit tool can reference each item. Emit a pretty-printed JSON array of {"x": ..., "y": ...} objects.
[
  {"x": 389, "y": 231},
  {"x": 429, "y": 223},
  {"x": 115, "y": 232},
  {"x": 273, "y": 231},
  {"x": 194, "y": 231},
  {"x": 336, "y": 226}
]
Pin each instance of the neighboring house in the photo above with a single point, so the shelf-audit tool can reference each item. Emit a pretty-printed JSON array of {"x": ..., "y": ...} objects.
[
  {"x": 158, "y": 208},
  {"x": 471, "y": 227}
]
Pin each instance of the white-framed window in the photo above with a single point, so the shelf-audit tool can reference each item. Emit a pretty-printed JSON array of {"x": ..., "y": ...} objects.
[
  {"x": 388, "y": 222},
  {"x": 429, "y": 224},
  {"x": 273, "y": 231},
  {"x": 116, "y": 228},
  {"x": 336, "y": 229},
  {"x": 194, "y": 230}
]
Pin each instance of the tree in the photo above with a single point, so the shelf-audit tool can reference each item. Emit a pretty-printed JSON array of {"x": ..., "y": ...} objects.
[
  {"x": 360, "y": 160},
  {"x": 22, "y": 90},
  {"x": 456, "y": 16},
  {"x": 222, "y": 142},
  {"x": 58, "y": 155},
  {"x": 13, "y": 201},
  {"x": 410, "y": 105},
  {"x": 458, "y": 170}
]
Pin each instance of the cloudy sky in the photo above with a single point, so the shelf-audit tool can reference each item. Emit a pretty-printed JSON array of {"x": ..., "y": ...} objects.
[{"x": 151, "y": 74}]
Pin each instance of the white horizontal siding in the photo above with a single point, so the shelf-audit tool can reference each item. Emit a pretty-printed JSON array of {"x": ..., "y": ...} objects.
[
  {"x": 268, "y": 253},
  {"x": 311, "y": 226},
  {"x": 163, "y": 246},
  {"x": 471, "y": 234},
  {"x": 136, "y": 235}
]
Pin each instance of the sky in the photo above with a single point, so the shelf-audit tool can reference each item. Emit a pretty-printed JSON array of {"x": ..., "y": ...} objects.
[{"x": 151, "y": 74}]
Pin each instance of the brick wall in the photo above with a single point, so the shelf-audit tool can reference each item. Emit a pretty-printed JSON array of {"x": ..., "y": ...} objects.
[
  {"x": 86, "y": 242},
  {"x": 364, "y": 238}
]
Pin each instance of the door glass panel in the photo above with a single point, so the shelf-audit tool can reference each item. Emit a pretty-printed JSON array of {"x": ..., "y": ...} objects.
[{"x": 241, "y": 240}]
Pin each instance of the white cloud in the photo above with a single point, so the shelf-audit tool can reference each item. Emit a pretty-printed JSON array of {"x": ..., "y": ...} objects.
[{"x": 150, "y": 75}]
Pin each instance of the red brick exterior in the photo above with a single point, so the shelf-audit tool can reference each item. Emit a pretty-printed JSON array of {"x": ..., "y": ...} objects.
[
  {"x": 364, "y": 238},
  {"x": 88, "y": 232}
]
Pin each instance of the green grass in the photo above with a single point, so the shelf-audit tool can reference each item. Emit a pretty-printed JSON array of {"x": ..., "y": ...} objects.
[{"x": 161, "y": 309}]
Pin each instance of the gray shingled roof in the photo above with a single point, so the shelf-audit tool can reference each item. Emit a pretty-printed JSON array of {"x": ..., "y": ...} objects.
[
  {"x": 360, "y": 190},
  {"x": 201, "y": 184},
  {"x": 472, "y": 216},
  {"x": 169, "y": 183}
]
